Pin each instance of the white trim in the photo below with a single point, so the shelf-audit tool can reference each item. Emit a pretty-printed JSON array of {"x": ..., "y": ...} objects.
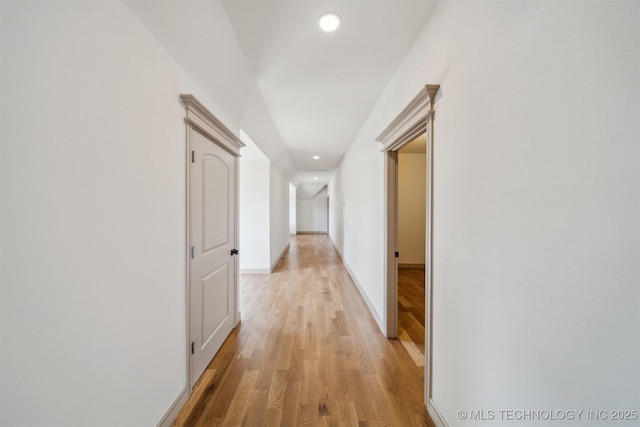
[
  {"x": 266, "y": 270},
  {"x": 428, "y": 291},
  {"x": 410, "y": 122},
  {"x": 199, "y": 117},
  {"x": 337, "y": 249},
  {"x": 174, "y": 410},
  {"x": 410, "y": 265},
  {"x": 436, "y": 415},
  {"x": 284, "y": 251},
  {"x": 255, "y": 271},
  {"x": 391, "y": 244},
  {"x": 364, "y": 296},
  {"x": 362, "y": 293},
  {"x": 187, "y": 255},
  {"x": 416, "y": 119},
  {"x": 237, "y": 237}
]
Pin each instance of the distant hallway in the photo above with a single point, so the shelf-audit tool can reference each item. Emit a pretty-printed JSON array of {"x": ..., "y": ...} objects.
[{"x": 308, "y": 352}]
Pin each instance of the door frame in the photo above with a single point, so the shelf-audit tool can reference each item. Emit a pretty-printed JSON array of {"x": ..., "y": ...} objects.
[
  {"x": 199, "y": 119},
  {"x": 414, "y": 120}
]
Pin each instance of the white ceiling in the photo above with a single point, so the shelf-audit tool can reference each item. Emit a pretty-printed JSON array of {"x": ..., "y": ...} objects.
[{"x": 317, "y": 88}]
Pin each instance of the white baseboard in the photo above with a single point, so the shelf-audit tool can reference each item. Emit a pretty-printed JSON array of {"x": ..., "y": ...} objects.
[
  {"x": 284, "y": 251},
  {"x": 336, "y": 248},
  {"x": 266, "y": 270},
  {"x": 407, "y": 265},
  {"x": 175, "y": 408},
  {"x": 362, "y": 293},
  {"x": 436, "y": 415},
  {"x": 255, "y": 271}
]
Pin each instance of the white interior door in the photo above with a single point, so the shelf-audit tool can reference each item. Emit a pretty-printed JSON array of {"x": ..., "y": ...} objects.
[{"x": 212, "y": 263}]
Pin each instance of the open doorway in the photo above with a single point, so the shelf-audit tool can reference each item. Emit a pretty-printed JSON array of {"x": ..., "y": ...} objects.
[
  {"x": 412, "y": 204},
  {"x": 416, "y": 119}
]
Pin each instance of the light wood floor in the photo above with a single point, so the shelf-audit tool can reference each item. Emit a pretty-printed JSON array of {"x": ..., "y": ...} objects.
[
  {"x": 411, "y": 312},
  {"x": 308, "y": 352}
]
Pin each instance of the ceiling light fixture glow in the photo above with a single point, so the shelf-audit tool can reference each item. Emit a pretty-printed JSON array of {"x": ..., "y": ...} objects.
[
  {"x": 315, "y": 177},
  {"x": 316, "y": 157},
  {"x": 329, "y": 21}
]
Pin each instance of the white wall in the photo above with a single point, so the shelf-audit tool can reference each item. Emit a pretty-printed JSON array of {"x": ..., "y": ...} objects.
[
  {"x": 336, "y": 193},
  {"x": 356, "y": 214},
  {"x": 312, "y": 214},
  {"x": 264, "y": 210},
  {"x": 304, "y": 214},
  {"x": 279, "y": 214},
  {"x": 254, "y": 217},
  {"x": 293, "y": 227},
  {"x": 223, "y": 72},
  {"x": 536, "y": 198},
  {"x": 412, "y": 190},
  {"x": 93, "y": 209}
]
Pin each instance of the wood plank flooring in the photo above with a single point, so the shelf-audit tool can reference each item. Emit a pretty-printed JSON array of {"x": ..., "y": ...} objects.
[
  {"x": 309, "y": 353},
  {"x": 411, "y": 312}
]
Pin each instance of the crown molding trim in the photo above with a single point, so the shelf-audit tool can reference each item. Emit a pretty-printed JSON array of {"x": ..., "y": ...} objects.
[
  {"x": 411, "y": 121},
  {"x": 204, "y": 121}
]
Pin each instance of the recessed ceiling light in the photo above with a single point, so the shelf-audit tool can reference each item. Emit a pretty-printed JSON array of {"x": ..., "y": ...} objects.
[
  {"x": 329, "y": 21},
  {"x": 316, "y": 157},
  {"x": 315, "y": 177}
]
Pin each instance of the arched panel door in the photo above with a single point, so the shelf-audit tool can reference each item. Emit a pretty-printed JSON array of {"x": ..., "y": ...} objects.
[{"x": 212, "y": 264}]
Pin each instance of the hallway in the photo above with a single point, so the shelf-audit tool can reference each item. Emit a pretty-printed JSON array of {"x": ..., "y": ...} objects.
[{"x": 308, "y": 352}]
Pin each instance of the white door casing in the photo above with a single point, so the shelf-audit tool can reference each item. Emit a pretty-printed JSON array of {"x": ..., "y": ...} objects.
[
  {"x": 212, "y": 218},
  {"x": 416, "y": 119}
]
